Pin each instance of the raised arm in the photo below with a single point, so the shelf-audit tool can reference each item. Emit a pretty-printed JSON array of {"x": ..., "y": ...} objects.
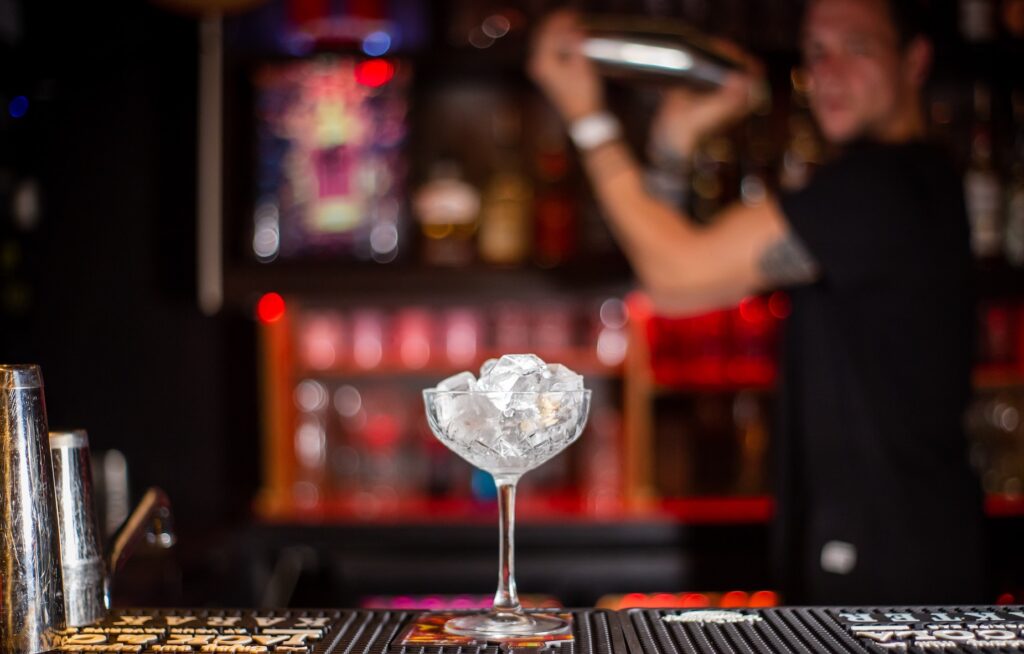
[{"x": 684, "y": 267}]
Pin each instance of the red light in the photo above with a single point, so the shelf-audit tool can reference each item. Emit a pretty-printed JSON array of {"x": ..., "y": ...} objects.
[
  {"x": 696, "y": 600},
  {"x": 752, "y": 309},
  {"x": 639, "y": 307},
  {"x": 763, "y": 599},
  {"x": 374, "y": 72},
  {"x": 664, "y": 600},
  {"x": 270, "y": 308},
  {"x": 733, "y": 599},
  {"x": 632, "y": 600},
  {"x": 779, "y": 305},
  {"x": 1006, "y": 598}
]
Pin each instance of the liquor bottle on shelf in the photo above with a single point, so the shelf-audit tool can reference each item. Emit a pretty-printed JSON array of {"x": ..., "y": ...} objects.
[
  {"x": 755, "y": 164},
  {"x": 505, "y": 212},
  {"x": 982, "y": 187},
  {"x": 310, "y": 443},
  {"x": 977, "y": 20},
  {"x": 555, "y": 217},
  {"x": 601, "y": 483},
  {"x": 752, "y": 435},
  {"x": 713, "y": 182},
  {"x": 802, "y": 153},
  {"x": 1013, "y": 18},
  {"x": 940, "y": 123},
  {"x": 448, "y": 209},
  {"x": 1015, "y": 189}
]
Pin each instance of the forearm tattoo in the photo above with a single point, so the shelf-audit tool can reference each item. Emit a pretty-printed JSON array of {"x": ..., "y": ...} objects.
[{"x": 787, "y": 263}]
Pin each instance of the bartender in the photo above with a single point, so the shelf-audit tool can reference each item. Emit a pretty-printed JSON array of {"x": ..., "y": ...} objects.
[{"x": 876, "y": 502}]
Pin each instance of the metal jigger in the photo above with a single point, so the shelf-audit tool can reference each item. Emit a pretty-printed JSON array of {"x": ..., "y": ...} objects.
[{"x": 32, "y": 602}]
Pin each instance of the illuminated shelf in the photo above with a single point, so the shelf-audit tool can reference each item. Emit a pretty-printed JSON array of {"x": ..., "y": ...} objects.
[
  {"x": 541, "y": 509},
  {"x": 578, "y": 359},
  {"x": 983, "y": 378}
]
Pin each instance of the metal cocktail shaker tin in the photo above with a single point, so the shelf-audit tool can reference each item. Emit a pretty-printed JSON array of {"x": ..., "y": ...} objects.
[
  {"x": 86, "y": 588},
  {"x": 88, "y": 568},
  {"x": 644, "y": 47},
  {"x": 32, "y": 604}
]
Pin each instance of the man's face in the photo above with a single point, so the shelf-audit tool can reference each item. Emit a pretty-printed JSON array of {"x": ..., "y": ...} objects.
[{"x": 854, "y": 67}]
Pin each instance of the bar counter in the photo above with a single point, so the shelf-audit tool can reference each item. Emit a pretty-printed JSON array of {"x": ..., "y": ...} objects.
[{"x": 835, "y": 630}]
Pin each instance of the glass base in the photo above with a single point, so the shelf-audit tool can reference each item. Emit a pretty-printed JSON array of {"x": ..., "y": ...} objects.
[{"x": 498, "y": 625}]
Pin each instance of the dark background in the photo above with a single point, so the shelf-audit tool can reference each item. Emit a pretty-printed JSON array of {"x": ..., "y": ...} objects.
[{"x": 111, "y": 314}]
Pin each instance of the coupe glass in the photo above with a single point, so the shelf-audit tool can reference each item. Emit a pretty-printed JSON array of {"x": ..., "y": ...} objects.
[{"x": 506, "y": 434}]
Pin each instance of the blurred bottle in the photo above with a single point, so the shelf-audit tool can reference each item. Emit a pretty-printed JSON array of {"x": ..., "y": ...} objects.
[
  {"x": 982, "y": 187},
  {"x": 1013, "y": 18},
  {"x": 447, "y": 208},
  {"x": 414, "y": 337},
  {"x": 462, "y": 337},
  {"x": 555, "y": 217},
  {"x": 368, "y": 342},
  {"x": 977, "y": 20},
  {"x": 505, "y": 211},
  {"x": 752, "y": 433},
  {"x": 714, "y": 178},
  {"x": 310, "y": 444},
  {"x": 755, "y": 166},
  {"x": 552, "y": 333},
  {"x": 997, "y": 345},
  {"x": 322, "y": 340},
  {"x": 510, "y": 328},
  {"x": 602, "y": 461},
  {"x": 940, "y": 124},
  {"x": 1015, "y": 189},
  {"x": 801, "y": 155}
]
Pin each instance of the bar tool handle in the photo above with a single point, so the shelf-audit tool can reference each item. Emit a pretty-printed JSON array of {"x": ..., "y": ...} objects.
[{"x": 152, "y": 519}]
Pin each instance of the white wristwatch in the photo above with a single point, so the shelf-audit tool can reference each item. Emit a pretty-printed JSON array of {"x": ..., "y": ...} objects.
[{"x": 594, "y": 130}]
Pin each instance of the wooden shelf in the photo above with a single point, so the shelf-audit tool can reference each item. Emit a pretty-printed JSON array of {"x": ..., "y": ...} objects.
[
  {"x": 997, "y": 377},
  {"x": 983, "y": 378},
  {"x": 397, "y": 284},
  {"x": 556, "y": 508},
  {"x": 717, "y": 387}
]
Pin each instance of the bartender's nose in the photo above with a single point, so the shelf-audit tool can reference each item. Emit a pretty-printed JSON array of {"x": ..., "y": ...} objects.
[{"x": 827, "y": 69}]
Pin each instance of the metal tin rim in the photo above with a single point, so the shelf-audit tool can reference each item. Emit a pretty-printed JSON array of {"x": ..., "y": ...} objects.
[
  {"x": 20, "y": 375},
  {"x": 74, "y": 439}
]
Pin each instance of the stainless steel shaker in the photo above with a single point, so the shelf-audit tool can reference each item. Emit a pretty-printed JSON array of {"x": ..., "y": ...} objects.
[
  {"x": 32, "y": 602},
  {"x": 656, "y": 48},
  {"x": 88, "y": 570},
  {"x": 86, "y": 592}
]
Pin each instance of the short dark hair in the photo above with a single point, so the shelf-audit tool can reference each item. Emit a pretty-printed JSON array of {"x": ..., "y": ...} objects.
[{"x": 911, "y": 18}]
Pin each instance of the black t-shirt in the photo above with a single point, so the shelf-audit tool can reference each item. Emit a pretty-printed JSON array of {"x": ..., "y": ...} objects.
[{"x": 877, "y": 501}]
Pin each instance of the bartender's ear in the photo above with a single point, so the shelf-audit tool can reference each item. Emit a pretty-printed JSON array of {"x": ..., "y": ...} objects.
[{"x": 917, "y": 60}]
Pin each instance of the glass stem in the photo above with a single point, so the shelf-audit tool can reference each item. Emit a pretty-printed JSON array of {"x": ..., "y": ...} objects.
[{"x": 506, "y": 600}]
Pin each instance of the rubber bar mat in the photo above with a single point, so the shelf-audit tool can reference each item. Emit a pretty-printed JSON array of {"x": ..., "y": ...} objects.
[
  {"x": 953, "y": 630},
  {"x": 249, "y": 631}
]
